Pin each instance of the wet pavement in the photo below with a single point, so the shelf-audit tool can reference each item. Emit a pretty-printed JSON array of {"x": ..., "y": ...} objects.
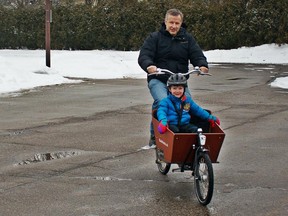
[{"x": 76, "y": 149}]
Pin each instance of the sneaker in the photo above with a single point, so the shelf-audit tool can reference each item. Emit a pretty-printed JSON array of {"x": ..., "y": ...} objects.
[
  {"x": 147, "y": 147},
  {"x": 151, "y": 145}
]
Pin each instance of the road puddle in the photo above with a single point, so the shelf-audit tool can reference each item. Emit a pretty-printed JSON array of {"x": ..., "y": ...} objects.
[{"x": 48, "y": 156}]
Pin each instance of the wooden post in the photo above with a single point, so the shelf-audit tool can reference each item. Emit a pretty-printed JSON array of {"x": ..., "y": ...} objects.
[{"x": 47, "y": 32}]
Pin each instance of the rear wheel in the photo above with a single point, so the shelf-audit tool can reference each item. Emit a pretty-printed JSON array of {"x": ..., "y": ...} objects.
[
  {"x": 204, "y": 178},
  {"x": 163, "y": 167}
]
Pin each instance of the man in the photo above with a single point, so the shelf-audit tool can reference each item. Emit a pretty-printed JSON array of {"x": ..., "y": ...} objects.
[{"x": 170, "y": 48}]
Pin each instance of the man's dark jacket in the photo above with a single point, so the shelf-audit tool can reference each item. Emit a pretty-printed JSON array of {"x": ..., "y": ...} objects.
[{"x": 170, "y": 52}]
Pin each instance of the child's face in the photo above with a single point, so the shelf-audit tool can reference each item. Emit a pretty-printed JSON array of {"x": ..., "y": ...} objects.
[{"x": 177, "y": 91}]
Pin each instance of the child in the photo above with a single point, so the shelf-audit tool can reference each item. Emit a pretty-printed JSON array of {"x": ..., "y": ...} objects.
[{"x": 175, "y": 109}]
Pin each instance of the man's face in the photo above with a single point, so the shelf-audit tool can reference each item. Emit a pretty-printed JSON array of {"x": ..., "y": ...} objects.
[{"x": 173, "y": 24}]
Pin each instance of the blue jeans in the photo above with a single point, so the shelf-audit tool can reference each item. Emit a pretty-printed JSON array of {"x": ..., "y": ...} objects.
[
  {"x": 188, "y": 128},
  {"x": 159, "y": 91}
]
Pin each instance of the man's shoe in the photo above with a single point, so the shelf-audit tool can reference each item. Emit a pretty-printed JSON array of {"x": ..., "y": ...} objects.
[{"x": 151, "y": 145}]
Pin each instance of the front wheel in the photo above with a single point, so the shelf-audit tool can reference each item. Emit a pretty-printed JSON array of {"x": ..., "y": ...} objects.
[
  {"x": 163, "y": 167},
  {"x": 204, "y": 178}
]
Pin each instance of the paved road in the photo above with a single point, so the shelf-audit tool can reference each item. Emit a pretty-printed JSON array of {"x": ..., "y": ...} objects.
[{"x": 95, "y": 131}]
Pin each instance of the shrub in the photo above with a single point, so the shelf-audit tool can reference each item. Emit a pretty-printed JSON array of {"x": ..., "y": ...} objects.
[{"x": 124, "y": 24}]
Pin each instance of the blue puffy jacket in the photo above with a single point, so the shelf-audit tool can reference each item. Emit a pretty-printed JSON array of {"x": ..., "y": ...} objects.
[{"x": 167, "y": 114}]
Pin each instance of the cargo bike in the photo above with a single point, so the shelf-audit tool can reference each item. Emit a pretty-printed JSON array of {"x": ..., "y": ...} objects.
[{"x": 190, "y": 151}]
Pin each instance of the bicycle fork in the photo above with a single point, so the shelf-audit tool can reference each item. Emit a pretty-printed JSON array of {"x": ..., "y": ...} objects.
[{"x": 199, "y": 149}]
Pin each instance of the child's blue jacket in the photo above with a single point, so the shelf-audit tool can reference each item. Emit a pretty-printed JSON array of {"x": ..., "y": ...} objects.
[{"x": 167, "y": 114}]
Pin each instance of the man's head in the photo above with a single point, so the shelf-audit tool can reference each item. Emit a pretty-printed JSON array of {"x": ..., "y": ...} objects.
[
  {"x": 177, "y": 84},
  {"x": 173, "y": 21}
]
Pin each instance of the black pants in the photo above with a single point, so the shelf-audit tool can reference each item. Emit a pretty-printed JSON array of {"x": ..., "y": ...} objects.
[{"x": 188, "y": 128}]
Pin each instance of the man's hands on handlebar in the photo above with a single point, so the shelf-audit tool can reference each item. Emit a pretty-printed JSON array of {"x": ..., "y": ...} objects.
[
  {"x": 204, "y": 69},
  {"x": 154, "y": 69}
]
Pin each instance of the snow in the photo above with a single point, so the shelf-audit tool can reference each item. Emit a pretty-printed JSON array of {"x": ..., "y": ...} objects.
[{"x": 26, "y": 69}]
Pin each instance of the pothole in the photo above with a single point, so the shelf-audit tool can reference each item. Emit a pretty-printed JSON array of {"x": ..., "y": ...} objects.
[
  {"x": 17, "y": 132},
  {"x": 48, "y": 156}
]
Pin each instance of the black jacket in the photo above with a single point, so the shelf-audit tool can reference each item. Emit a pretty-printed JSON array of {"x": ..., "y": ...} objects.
[{"x": 170, "y": 52}]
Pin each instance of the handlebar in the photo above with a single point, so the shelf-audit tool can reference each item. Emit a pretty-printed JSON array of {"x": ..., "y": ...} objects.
[{"x": 196, "y": 70}]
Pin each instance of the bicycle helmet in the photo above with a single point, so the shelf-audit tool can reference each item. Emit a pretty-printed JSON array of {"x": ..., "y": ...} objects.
[{"x": 177, "y": 79}]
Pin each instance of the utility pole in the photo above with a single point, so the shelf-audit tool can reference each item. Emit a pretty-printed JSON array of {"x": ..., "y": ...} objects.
[{"x": 48, "y": 20}]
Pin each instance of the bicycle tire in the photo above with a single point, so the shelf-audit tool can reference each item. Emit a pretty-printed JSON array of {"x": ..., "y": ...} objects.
[
  {"x": 163, "y": 167},
  {"x": 203, "y": 178}
]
